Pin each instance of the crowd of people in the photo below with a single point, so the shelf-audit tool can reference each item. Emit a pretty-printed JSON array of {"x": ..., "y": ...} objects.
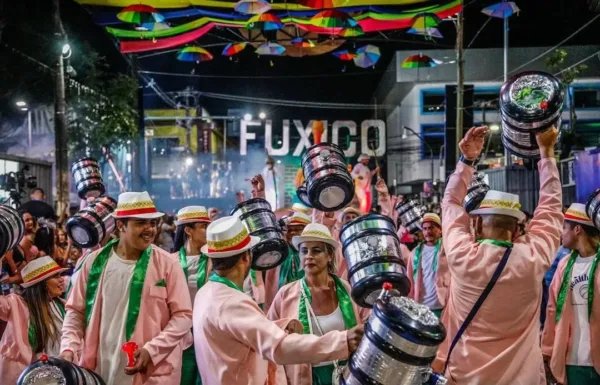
[{"x": 200, "y": 314}]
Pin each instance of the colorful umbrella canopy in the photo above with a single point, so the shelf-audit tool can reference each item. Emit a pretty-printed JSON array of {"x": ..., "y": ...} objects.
[
  {"x": 352, "y": 31},
  {"x": 367, "y": 56},
  {"x": 501, "y": 10},
  {"x": 303, "y": 43},
  {"x": 426, "y": 20},
  {"x": 429, "y": 31},
  {"x": 419, "y": 61},
  {"x": 252, "y": 7},
  {"x": 272, "y": 49},
  {"x": 333, "y": 18},
  {"x": 155, "y": 26},
  {"x": 194, "y": 54},
  {"x": 140, "y": 14},
  {"x": 264, "y": 22},
  {"x": 234, "y": 48},
  {"x": 344, "y": 55},
  {"x": 320, "y": 4}
]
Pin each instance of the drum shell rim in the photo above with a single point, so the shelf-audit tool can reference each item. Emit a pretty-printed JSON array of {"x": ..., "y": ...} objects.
[
  {"x": 365, "y": 218},
  {"x": 248, "y": 202},
  {"x": 12, "y": 217},
  {"x": 399, "y": 281},
  {"x": 595, "y": 196},
  {"x": 552, "y": 104},
  {"x": 326, "y": 145}
]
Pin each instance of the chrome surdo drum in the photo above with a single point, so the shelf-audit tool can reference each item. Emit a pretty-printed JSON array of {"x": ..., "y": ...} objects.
[
  {"x": 55, "y": 371},
  {"x": 592, "y": 208},
  {"x": 259, "y": 219},
  {"x": 411, "y": 214},
  {"x": 476, "y": 192},
  {"x": 372, "y": 252},
  {"x": 93, "y": 223},
  {"x": 88, "y": 178},
  {"x": 12, "y": 229},
  {"x": 400, "y": 342},
  {"x": 329, "y": 185},
  {"x": 302, "y": 194},
  {"x": 530, "y": 102}
]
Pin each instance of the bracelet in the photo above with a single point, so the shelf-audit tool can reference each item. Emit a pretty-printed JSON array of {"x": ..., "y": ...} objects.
[{"x": 468, "y": 162}]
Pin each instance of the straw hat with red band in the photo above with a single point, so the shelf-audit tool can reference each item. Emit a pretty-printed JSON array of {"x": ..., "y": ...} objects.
[
  {"x": 192, "y": 214},
  {"x": 226, "y": 237},
  {"x": 432, "y": 218},
  {"x": 299, "y": 219},
  {"x": 39, "y": 270},
  {"x": 576, "y": 213},
  {"x": 136, "y": 205},
  {"x": 500, "y": 203},
  {"x": 315, "y": 232},
  {"x": 348, "y": 210}
]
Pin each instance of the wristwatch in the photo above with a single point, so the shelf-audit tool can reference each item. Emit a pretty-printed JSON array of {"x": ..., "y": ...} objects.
[{"x": 472, "y": 163}]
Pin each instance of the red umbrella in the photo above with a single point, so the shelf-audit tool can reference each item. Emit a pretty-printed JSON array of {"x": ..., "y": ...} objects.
[{"x": 320, "y": 4}]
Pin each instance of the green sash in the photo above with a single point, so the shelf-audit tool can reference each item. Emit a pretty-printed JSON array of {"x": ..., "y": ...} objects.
[
  {"x": 217, "y": 278},
  {"x": 343, "y": 299},
  {"x": 417, "y": 259},
  {"x": 31, "y": 329},
  {"x": 506, "y": 244},
  {"x": 564, "y": 285},
  {"x": 135, "y": 290},
  {"x": 202, "y": 262},
  {"x": 290, "y": 269}
]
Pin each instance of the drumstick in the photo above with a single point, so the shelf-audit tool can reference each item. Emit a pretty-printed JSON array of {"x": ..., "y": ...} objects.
[{"x": 376, "y": 162}]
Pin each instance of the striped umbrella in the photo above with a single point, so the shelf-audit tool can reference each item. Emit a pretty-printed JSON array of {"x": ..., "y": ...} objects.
[
  {"x": 234, "y": 48},
  {"x": 155, "y": 26},
  {"x": 367, "y": 56},
  {"x": 264, "y": 22},
  {"x": 321, "y": 4},
  {"x": 272, "y": 49},
  {"x": 419, "y": 61},
  {"x": 344, "y": 55},
  {"x": 140, "y": 14},
  {"x": 194, "y": 54},
  {"x": 501, "y": 10},
  {"x": 302, "y": 42},
  {"x": 426, "y": 20},
  {"x": 352, "y": 31},
  {"x": 252, "y": 7},
  {"x": 429, "y": 31},
  {"x": 332, "y": 18}
]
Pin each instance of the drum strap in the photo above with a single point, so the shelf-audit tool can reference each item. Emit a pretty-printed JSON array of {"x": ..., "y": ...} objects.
[{"x": 478, "y": 303}]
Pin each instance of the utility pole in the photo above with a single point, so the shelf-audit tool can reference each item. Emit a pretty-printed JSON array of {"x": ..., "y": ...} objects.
[
  {"x": 60, "y": 119},
  {"x": 460, "y": 80}
]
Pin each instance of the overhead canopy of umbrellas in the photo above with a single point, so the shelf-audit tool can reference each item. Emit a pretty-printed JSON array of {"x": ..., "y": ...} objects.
[
  {"x": 420, "y": 61},
  {"x": 252, "y": 7}
]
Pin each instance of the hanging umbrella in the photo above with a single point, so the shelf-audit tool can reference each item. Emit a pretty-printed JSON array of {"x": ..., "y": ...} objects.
[
  {"x": 321, "y": 4},
  {"x": 367, "y": 56},
  {"x": 272, "y": 49},
  {"x": 419, "y": 61},
  {"x": 426, "y": 20},
  {"x": 352, "y": 31},
  {"x": 252, "y": 7},
  {"x": 264, "y": 22},
  {"x": 140, "y": 14},
  {"x": 194, "y": 54},
  {"x": 344, "y": 55},
  {"x": 302, "y": 42},
  {"x": 501, "y": 10},
  {"x": 234, "y": 48},
  {"x": 333, "y": 18},
  {"x": 155, "y": 26},
  {"x": 429, "y": 31}
]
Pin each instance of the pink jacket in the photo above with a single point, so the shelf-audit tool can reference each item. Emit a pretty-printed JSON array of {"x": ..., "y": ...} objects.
[
  {"x": 285, "y": 306},
  {"x": 234, "y": 340},
  {"x": 15, "y": 352},
  {"x": 164, "y": 319},
  {"x": 442, "y": 282},
  {"x": 501, "y": 345},
  {"x": 557, "y": 337}
]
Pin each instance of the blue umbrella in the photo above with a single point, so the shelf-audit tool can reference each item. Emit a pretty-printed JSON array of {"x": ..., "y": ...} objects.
[
  {"x": 367, "y": 56},
  {"x": 273, "y": 49},
  {"x": 501, "y": 10}
]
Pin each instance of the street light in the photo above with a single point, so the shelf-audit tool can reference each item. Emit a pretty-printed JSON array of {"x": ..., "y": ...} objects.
[
  {"x": 189, "y": 161},
  {"x": 262, "y": 115},
  {"x": 21, "y": 103},
  {"x": 404, "y": 136},
  {"x": 66, "y": 50},
  {"x": 247, "y": 117}
]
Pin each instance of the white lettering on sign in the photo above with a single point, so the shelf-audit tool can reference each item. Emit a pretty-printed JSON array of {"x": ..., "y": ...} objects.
[
  {"x": 285, "y": 145},
  {"x": 364, "y": 134},
  {"x": 245, "y": 135},
  {"x": 335, "y": 132}
]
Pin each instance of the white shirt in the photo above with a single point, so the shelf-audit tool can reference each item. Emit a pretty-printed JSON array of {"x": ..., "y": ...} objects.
[
  {"x": 579, "y": 352},
  {"x": 328, "y": 323},
  {"x": 363, "y": 171},
  {"x": 430, "y": 297},
  {"x": 274, "y": 187},
  {"x": 116, "y": 282},
  {"x": 192, "y": 264}
]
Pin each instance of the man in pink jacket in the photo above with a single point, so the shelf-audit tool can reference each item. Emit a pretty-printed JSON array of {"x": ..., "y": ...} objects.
[
  {"x": 235, "y": 343},
  {"x": 501, "y": 344},
  {"x": 129, "y": 291},
  {"x": 571, "y": 340}
]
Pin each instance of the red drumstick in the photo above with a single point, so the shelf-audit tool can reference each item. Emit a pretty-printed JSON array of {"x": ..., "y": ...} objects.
[{"x": 129, "y": 348}]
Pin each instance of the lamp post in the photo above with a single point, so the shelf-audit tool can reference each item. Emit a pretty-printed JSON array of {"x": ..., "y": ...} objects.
[{"x": 404, "y": 136}]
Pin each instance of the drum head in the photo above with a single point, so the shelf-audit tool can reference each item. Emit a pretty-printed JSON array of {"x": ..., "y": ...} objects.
[
  {"x": 55, "y": 371},
  {"x": 90, "y": 188},
  {"x": 82, "y": 232},
  {"x": 366, "y": 291},
  {"x": 331, "y": 192},
  {"x": 269, "y": 254}
]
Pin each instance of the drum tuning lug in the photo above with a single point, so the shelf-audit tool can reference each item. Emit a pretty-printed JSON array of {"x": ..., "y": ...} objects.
[
  {"x": 44, "y": 358},
  {"x": 386, "y": 289}
]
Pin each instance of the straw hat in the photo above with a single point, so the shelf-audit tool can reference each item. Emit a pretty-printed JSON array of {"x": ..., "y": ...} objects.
[
  {"x": 299, "y": 219},
  {"x": 136, "y": 205},
  {"x": 314, "y": 232},
  {"x": 576, "y": 213},
  {"x": 227, "y": 237},
  {"x": 192, "y": 214},
  {"x": 500, "y": 203},
  {"x": 347, "y": 210},
  {"x": 300, "y": 208},
  {"x": 39, "y": 270},
  {"x": 362, "y": 157},
  {"x": 433, "y": 218}
]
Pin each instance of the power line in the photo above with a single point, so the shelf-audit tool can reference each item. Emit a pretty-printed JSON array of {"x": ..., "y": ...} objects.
[{"x": 265, "y": 76}]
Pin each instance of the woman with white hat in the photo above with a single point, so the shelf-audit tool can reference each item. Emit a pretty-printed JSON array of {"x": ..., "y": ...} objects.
[
  {"x": 320, "y": 300},
  {"x": 190, "y": 237},
  {"x": 34, "y": 318}
]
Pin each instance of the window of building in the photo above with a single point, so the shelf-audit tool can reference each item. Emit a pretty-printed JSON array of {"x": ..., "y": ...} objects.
[
  {"x": 486, "y": 99},
  {"x": 433, "y": 101},
  {"x": 434, "y": 136},
  {"x": 589, "y": 133},
  {"x": 586, "y": 97}
]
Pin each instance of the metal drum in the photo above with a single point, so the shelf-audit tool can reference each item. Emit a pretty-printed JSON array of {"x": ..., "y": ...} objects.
[
  {"x": 530, "y": 102},
  {"x": 93, "y": 223},
  {"x": 400, "y": 342},
  {"x": 329, "y": 185},
  {"x": 55, "y": 371},
  {"x": 303, "y": 194},
  {"x": 12, "y": 229},
  {"x": 372, "y": 252},
  {"x": 411, "y": 214},
  {"x": 592, "y": 208},
  {"x": 259, "y": 219},
  {"x": 476, "y": 192},
  {"x": 88, "y": 178}
]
